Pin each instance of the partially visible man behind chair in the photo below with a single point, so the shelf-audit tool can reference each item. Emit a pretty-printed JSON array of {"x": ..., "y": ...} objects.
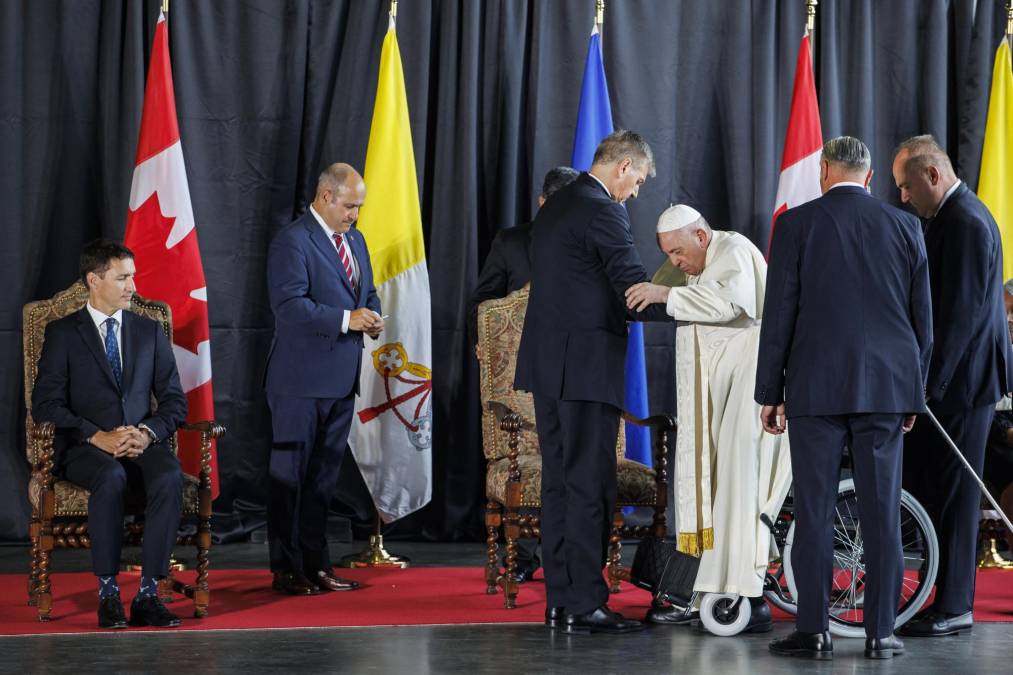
[
  {"x": 971, "y": 369},
  {"x": 844, "y": 348},
  {"x": 571, "y": 358},
  {"x": 98, "y": 372},
  {"x": 320, "y": 283},
  {"x": 507, "y": 268}
]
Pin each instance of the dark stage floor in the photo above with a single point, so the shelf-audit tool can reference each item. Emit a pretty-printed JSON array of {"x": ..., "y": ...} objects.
[{"x": 516, "y": 648}]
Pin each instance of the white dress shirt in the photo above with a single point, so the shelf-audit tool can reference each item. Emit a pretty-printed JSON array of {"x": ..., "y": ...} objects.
[
  {"x": 600, "y": 183},
  {"x": 329, "y": 233},
  {"x": 949, "y": 193}
]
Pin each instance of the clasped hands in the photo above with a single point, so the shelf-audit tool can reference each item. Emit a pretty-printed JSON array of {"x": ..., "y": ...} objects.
[
  {"x": 128, "y": 441},
  {"x": 639, "y": 296},
  {"x": 367, "y": 321}
]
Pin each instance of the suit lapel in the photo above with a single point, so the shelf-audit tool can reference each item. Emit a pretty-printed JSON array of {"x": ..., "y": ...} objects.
[
  {"x": 358, "y": 252},
  {"x": 93, "y": 341},
  {"x": 327, "y": 249},
  {"x": 128, "y": 347}
]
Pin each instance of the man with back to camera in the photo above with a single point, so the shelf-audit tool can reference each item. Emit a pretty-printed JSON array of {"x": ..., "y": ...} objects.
[
  {"x": 571, "y": 358},
  {"x": 508, "y": 268},
  {"x": 971, "y": 369},
  {"x": 98, "y": 372},
  {"x": 844, "y": 351},
  {"x": 320, "y": 284}
]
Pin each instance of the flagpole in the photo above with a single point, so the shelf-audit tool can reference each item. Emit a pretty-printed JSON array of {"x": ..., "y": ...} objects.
[
  {"x": 810, "y": 25},
  {"x": 1009, "y": 19},
  {"x": 165, "y": 7},
  {"x": 599, "y": 13}
]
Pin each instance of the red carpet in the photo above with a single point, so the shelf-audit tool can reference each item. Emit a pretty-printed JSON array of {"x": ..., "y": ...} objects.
[{"x": 417, "y": 596}]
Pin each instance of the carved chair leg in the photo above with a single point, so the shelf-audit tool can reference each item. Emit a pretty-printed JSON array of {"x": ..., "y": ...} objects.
[
  {"x": 202, "y": 593},
  {"x": 43, "y": 592},
  {"x": 615, "y": 552},
  {"x": 493, "y": 520},
  {"x": 512, "y": 532},
  {"x": 33, "y": 576}
]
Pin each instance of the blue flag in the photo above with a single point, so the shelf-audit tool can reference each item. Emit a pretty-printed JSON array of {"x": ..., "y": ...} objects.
[{"x": 594, "y": 122}]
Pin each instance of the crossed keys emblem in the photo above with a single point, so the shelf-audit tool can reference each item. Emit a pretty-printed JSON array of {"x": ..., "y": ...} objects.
[{"x": 391, "y": 362}]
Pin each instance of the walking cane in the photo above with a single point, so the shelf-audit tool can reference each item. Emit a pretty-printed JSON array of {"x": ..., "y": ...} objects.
[{"x": 970, "y": 469}]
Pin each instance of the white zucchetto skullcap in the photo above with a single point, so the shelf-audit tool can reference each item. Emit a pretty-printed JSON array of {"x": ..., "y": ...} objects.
[{"x": 677, "y": 217}]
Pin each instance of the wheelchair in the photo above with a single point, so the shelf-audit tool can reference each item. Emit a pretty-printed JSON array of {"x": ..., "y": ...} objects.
[{"x": 728, "y": 614}]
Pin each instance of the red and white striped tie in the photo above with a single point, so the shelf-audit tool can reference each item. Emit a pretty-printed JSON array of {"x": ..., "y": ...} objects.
[{"x": 346, "y": 262}]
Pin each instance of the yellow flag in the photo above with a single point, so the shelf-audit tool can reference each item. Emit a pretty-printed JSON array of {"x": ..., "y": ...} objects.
[
  {"x": 390, "y": 219},
  {"x": 995, "y": 184},
  {"x": 392, "y": 435}
]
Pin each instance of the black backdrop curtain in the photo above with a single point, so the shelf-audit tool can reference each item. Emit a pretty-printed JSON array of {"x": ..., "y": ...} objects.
[{"x": 269, "y": 91}]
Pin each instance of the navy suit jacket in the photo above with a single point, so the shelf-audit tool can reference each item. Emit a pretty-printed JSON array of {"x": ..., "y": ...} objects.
[
  {"x": 573, "y": 345},
  {"x": 507, "y": 268},
  {"x": 309, "y": 293},
  {"x": 972, "y": 361},
  {"x": 75, "y": 388},
  {"x": 847, "y": 322}
]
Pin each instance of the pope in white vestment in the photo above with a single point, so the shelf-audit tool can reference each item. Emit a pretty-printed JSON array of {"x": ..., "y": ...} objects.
[{"x": 728, "y": 472}]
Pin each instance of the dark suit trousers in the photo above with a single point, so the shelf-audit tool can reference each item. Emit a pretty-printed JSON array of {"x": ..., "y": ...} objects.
[
  {"x": 309, "y": 440},
  {"x": 154, "y": 480},
  {"x": 934, "y": 475},
  {"x": 817, "y": 444},
  {"x": 577, "y": 440}
]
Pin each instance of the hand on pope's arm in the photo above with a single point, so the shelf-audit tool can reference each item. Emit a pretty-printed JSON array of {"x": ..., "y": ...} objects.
[
  {"x": 772, "y": 418},
  {"x": 639, "y": 296}
]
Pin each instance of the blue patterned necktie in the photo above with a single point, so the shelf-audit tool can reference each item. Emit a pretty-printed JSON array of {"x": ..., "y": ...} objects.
[{"x": 113, "y": 351}]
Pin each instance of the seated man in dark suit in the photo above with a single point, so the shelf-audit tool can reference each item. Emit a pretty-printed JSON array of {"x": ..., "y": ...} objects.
[
  {"x": 508, "y": 268},
  {"x": 98, "y": 371}
]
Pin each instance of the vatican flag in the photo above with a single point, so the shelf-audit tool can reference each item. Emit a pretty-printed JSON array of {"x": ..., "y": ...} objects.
[
  {"x": 996, "y": 178},
  {"x": 392, "y": 435}
]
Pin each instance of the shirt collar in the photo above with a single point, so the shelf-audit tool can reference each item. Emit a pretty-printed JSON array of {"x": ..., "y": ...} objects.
[
  {"x": 846, "y": 183},
  {"x": 99, "y": 318},
  {"x": 947, "y": 195},
  {"x": 598, "y": 180},
  {"x": 320, "y": 221}
]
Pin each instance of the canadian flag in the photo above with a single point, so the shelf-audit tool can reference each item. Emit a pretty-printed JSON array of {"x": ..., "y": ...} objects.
[
  {"x": 162, "y": 234},
  {"x": 800, "y": 165}
]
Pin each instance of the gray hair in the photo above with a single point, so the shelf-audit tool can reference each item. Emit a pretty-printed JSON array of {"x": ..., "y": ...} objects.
[
  {"x": 334, "y": 177},
  {"x": 622, "y": 144},
  {"x": 924, "y": 151},
  {"x": 849, "y": 152},
  {"x": 558, "y": 178},
  {"x": 1009, "y": 286}
]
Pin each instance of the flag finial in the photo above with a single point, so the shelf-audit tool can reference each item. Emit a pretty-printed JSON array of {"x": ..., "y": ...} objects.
[
  {"x": 599, "y": 12},
  {"x": 393, "y": 9},
  {"x": 1009, "y": 18},
  {"x": 165, "y": 6},
  {"x": 810, "y": 15}
]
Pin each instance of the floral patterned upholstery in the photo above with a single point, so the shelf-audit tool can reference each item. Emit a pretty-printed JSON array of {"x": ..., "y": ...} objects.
[
  {"x": 636, "y": 482},
  {"x": 72, "y": 501}
]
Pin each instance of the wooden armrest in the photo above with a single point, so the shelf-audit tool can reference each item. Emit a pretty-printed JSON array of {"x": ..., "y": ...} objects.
[
  {"x": 663, "y": 422},
  {"x": 210, "y": 427}
]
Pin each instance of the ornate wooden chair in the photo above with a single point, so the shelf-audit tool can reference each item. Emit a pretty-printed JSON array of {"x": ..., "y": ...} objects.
[
  {"x": 514, "y": 467},
  {"x": 60, "y": 508}
]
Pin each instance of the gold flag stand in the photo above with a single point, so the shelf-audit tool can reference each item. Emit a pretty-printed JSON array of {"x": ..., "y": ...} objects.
[{"x": 374, "y": 555}]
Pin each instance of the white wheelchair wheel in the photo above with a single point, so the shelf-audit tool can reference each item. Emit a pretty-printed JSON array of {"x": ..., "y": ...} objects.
[
  {"x": 921, "y": 561},
  {"x": 724, "y": 614}
]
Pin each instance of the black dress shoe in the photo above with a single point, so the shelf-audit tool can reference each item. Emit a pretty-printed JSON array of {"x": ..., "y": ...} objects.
[
  {"x": 555, "y": 617},
  {"x": 293, "y": 583},
  {"x": 671, "y": 615},
  {"x": 326, "y": 581},
  {"x": 110, "y": 612},
  {"x": 760, "y": 620},
  {"x": 883, "y": 648},
  {"x": 149, "y": 611},
  {"x": 601, "y": 620},
  {"x": 937, "y": 624},
  {"x": 810, "y": 645}
]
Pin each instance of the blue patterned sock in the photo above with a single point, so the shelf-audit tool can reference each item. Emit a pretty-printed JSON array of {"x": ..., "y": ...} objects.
[
  {"x": 107, "y": 587},
  {"x": 149, "y": 587}
]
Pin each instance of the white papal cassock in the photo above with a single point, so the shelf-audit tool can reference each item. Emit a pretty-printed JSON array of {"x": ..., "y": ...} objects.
[{"x": 728, "y": 471}]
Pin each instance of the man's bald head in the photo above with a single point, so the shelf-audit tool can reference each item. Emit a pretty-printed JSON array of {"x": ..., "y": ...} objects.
[{"x": 340, "y": 194}]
